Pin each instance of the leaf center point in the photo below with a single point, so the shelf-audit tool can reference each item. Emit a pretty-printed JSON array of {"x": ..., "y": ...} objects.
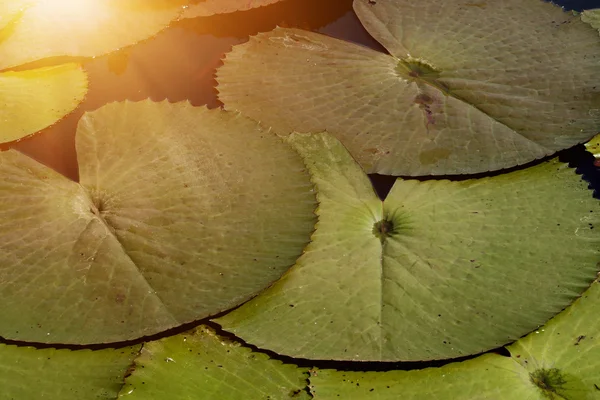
[
  {"x": 420, "y": 71},
  {"x": 383, "y": 229}
]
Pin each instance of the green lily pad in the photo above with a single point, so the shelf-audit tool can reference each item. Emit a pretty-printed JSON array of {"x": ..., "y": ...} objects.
[
  {"x": 439, "y": 270},
  {"x": 45, "y": 28},
  {"x": 28, "y": 373},
  {"x": 592, "y": 17},
  {"x": 465, "y": 88},
  {"x": 37, "y": 98},
  {"x": 180, "y": 213},
  {"x": 487, "y": 377},
  {"x": 559, "y": 361},
  {"x": 563, "y": 357},
  {"x": 211, "y": 7},
  {"x": 202, "y": 365}
]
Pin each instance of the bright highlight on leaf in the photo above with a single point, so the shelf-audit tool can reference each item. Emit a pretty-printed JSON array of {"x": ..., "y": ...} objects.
[
  {"x": 466, "y": 87},
  {"x": 35, "y": 29},
  {"x": 52, "y": 28},
  {"x": 28, "y": 373},
  {"x": 34, "y": 99},
  {"x": 202, "y": 365},
  {"x": 180, "y": 213},
  {"x": 593, "y": 146},
  {"x": 211, "y": 7},
  {"x": 439, "y": 270}
]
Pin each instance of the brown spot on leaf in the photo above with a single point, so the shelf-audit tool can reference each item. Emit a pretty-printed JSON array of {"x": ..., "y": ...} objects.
[{"x": 120, "y": 298}]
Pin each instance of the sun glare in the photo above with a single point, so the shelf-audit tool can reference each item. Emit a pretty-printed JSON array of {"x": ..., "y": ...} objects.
[{"x": 69, "y": 11}]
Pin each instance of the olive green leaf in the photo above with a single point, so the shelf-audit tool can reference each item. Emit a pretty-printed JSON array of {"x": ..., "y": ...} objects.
[
  {"x": 202, "y": 365},
  {"x": 558, "y": 361},
  {"x": 563, "y": 357},
  {"x": 465, "y": 88},
  {"x": 36, "y": 98},
  {"x": 29, "y": 373},
  {"x": 39, "y": 29},
  {"x": 211, "y": 7},
  {"x": 440, "y": 270},
  {"x": 180, "y": 213},
  {"x": 592, "y": 17},
  {"x": 490, "y": 377}
]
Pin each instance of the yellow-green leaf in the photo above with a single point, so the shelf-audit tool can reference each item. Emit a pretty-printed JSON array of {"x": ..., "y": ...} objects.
[
  {"x": 180, "y": 213},
  {"x": 51, "y": 28},
  {"x": 34, "y": 99}
]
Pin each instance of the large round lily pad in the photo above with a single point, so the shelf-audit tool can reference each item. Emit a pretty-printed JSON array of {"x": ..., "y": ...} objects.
[
  {"x": 439, "y": 270},
  {"x": 465, "y": 88},
  {"x": 180, "y": 213}
]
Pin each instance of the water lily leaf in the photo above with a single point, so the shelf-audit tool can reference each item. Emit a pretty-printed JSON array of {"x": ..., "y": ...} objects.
[
  {"x": 559, "y": 361},
  {"x": 462, "y": 90},
  {"x": 28, "y": 373},
  {"x": 50, "y": 28},
  {"x": 487, "y": 377},
  {"x": 440, "y": 270},
  {"x": 563, "y": 357},
  {"x": 202, "y": 365},
  {"x": 212, "y": 7},
  {"x": 592, "y": 17},
  {"x": 180, "y": 213},
  {"x": 34, "y": 99}
]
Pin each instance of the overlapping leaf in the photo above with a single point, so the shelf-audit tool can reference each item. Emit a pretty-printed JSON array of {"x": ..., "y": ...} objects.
[
  {"x": 50, "y": 28},
  {"x": 592, "y": 17},
  {"x": 28, "y": 373},
  {"x": 558, "y": 361},
  {"x": 180, "y": 213},
  {"x": 467, "y": 87},
  {"x": 202, "y": 365},
  {"x": 36, "y": 98},
  {"x": 487, "y": 377},
  {"x": 36, "y": 29},
  {"x": 211, "y": 7},
  {"x": 440, "y": 270}
]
